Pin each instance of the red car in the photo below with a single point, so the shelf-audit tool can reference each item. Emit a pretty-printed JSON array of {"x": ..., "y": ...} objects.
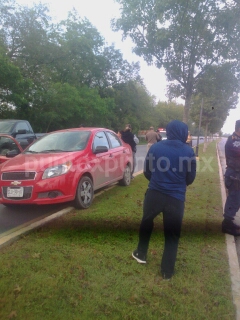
[
  {"x": 8, "y": 143},
  {"x": 65, "y": 165}
]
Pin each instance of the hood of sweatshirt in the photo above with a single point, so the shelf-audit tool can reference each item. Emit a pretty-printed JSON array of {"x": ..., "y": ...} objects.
[{"x": 177, "y": 130}]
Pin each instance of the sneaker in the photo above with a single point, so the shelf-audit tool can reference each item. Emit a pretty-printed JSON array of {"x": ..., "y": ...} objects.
[
  {"x": 139, "y": 257},
  {"x": 229, "y": 227}
]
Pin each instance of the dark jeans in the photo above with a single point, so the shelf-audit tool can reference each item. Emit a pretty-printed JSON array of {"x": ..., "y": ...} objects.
[
  {"x": 134, "y": 162},
  {"x": 232, "y": 204},
  {"x": 156, "y": 202}
]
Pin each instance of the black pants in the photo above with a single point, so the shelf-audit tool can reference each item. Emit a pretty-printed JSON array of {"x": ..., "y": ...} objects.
[
  {"x": 156, "y": 202},
  {"x": 232, "y": 183}
]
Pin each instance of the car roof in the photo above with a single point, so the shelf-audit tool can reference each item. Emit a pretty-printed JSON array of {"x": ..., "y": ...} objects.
[
  {"x": 92, "y": 129},
  {"x": 11, "y": 120}
]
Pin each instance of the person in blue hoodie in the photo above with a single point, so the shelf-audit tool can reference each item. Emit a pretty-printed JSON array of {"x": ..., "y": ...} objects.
[{"x": 170, "y": 166}]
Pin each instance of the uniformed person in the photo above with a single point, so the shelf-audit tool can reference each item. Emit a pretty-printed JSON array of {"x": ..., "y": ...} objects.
[{"x": 232, "y": 182}]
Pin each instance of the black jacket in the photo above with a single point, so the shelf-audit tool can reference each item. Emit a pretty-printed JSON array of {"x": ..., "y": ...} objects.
[
  {"x": 232, "y": 152},
  {"x": 128, "y": 137}
]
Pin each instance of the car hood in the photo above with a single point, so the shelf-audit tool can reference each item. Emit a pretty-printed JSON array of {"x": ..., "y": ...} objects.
[{"x": 36, "y": 162}]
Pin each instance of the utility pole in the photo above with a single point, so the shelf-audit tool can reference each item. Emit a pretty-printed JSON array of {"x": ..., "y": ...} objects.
[{"x": 199, "y": 128}]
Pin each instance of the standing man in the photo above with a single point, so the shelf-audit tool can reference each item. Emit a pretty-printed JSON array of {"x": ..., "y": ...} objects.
[
  {"x": 232, "y": 182},
  {"x": 151, "y": 137},
  {"x": 170, "y": 166},
  {"x": 128, "y": 137}
]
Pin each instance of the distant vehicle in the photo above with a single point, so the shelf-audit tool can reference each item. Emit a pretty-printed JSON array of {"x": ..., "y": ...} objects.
[
  {"x": 9, "y": 147},
  {"x": 66, "y": 165},
  {"x": 21, "y": 130},
  {"x": 163, "y": 133}
]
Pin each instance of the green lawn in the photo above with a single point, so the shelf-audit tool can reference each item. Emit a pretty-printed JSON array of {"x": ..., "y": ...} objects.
[{"x": 80, "y": 266}]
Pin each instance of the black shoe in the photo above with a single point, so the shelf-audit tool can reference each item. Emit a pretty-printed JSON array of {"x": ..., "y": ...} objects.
[
  {"x": 229, "y": 227},
  {"x": 139, "y": 257},
  {"x": 166, "y": 276}
]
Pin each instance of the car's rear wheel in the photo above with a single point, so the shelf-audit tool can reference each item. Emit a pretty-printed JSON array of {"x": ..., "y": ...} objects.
[
  {"x": 84, "y": 193},
  {"x": 125, "y": 181}
]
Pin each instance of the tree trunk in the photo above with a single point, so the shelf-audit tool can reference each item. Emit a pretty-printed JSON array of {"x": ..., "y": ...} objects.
[
  {"x": 187, "y": 107},
  {"x": 205, "y": 138}
]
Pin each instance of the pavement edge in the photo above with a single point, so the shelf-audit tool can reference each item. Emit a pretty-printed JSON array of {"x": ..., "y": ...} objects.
[
  {"x": 231, "y": 250},
  {"x": 9, "y": 238}
]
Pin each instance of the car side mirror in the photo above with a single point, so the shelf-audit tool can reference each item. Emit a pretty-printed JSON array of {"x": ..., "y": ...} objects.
[
  {"x": 12, "y": 153},
  {"x": 100, "y": 149},
  {"x": 23, "y": 131}
]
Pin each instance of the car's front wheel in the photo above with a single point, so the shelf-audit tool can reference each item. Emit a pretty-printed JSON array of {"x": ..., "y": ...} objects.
[
  {"x": 125, "y": 181},
  {"x": 84, "y": 193}
]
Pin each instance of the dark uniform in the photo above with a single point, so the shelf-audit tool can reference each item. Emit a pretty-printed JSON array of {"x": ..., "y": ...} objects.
[{"x": 232, "y": 182}]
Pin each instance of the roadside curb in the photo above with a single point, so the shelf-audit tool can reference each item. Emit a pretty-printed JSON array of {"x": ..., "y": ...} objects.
[
  {"x": 231, "y": 250},
  {"x": 10, "y": 237}
]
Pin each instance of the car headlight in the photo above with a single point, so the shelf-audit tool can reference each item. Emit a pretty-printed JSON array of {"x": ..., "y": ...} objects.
[{"x": 57, "y": 170}]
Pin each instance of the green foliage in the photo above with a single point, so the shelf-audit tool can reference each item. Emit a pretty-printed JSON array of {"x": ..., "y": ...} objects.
[
  {"x": 184, "y": 37},
  {"x": 166, "y": 112},
  {"x": 11, "y": 81},
  {"x": 218, "y": 88},
  {"x": 132, "y": 105},
  {"x": 68, "y": 75}
]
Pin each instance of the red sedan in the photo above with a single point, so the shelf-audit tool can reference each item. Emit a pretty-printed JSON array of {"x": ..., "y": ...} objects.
[{"x": 66, "y": 165}]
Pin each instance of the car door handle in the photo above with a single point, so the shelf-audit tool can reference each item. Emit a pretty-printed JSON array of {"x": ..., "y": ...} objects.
[
  {"x": 124, "y": 151},
  {"x": 110, "y": 156}
]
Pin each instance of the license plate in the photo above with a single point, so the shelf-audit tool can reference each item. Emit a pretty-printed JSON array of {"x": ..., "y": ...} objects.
[{"x": 15, "y": 192}]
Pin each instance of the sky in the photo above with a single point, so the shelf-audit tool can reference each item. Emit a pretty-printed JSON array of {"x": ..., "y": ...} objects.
[{"x": 100, "y": 13}]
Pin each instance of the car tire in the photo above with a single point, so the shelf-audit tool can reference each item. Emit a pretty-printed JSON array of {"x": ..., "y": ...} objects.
[
  {"x": 84, "y": 193},
  {"x": 126, "y": 180}
]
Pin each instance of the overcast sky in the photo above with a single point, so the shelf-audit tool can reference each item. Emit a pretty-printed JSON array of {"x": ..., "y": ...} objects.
[{"x": 100, "y": 13}]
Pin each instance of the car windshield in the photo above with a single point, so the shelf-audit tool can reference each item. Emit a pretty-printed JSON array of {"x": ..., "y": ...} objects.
[
  {"x": 65, "y": 141},
  {"x": 6, "y": 126}
]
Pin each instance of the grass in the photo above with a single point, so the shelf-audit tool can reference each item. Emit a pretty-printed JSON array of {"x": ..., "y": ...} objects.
[{"x": 80, "y": 266}]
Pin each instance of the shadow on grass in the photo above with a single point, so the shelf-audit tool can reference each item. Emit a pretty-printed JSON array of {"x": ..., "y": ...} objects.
[{"x": 72, "y": 228}]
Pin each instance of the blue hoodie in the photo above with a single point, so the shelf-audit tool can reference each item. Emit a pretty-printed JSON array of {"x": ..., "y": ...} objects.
[{"x": 170, "y": 165}]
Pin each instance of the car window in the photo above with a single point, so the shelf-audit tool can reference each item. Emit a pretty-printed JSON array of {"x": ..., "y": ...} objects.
[
  {"x": 23, "y": 126},
  {"x": 100, "y": 139},
  {"x": 7, "y": 144},
  {"x": 114, "y": 140}
]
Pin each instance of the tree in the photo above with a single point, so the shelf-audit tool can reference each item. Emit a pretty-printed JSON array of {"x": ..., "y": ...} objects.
[
  {"x": 219, "y": 89},
  {"x": 132, "y": 104},
  {"x": 11, "y": 82},
  {"x": 184, "y": 37},
  {"x": 66, "y": 73},
  {"x": 85, "y": 58},
  {"x": 167, "y": 111}
]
